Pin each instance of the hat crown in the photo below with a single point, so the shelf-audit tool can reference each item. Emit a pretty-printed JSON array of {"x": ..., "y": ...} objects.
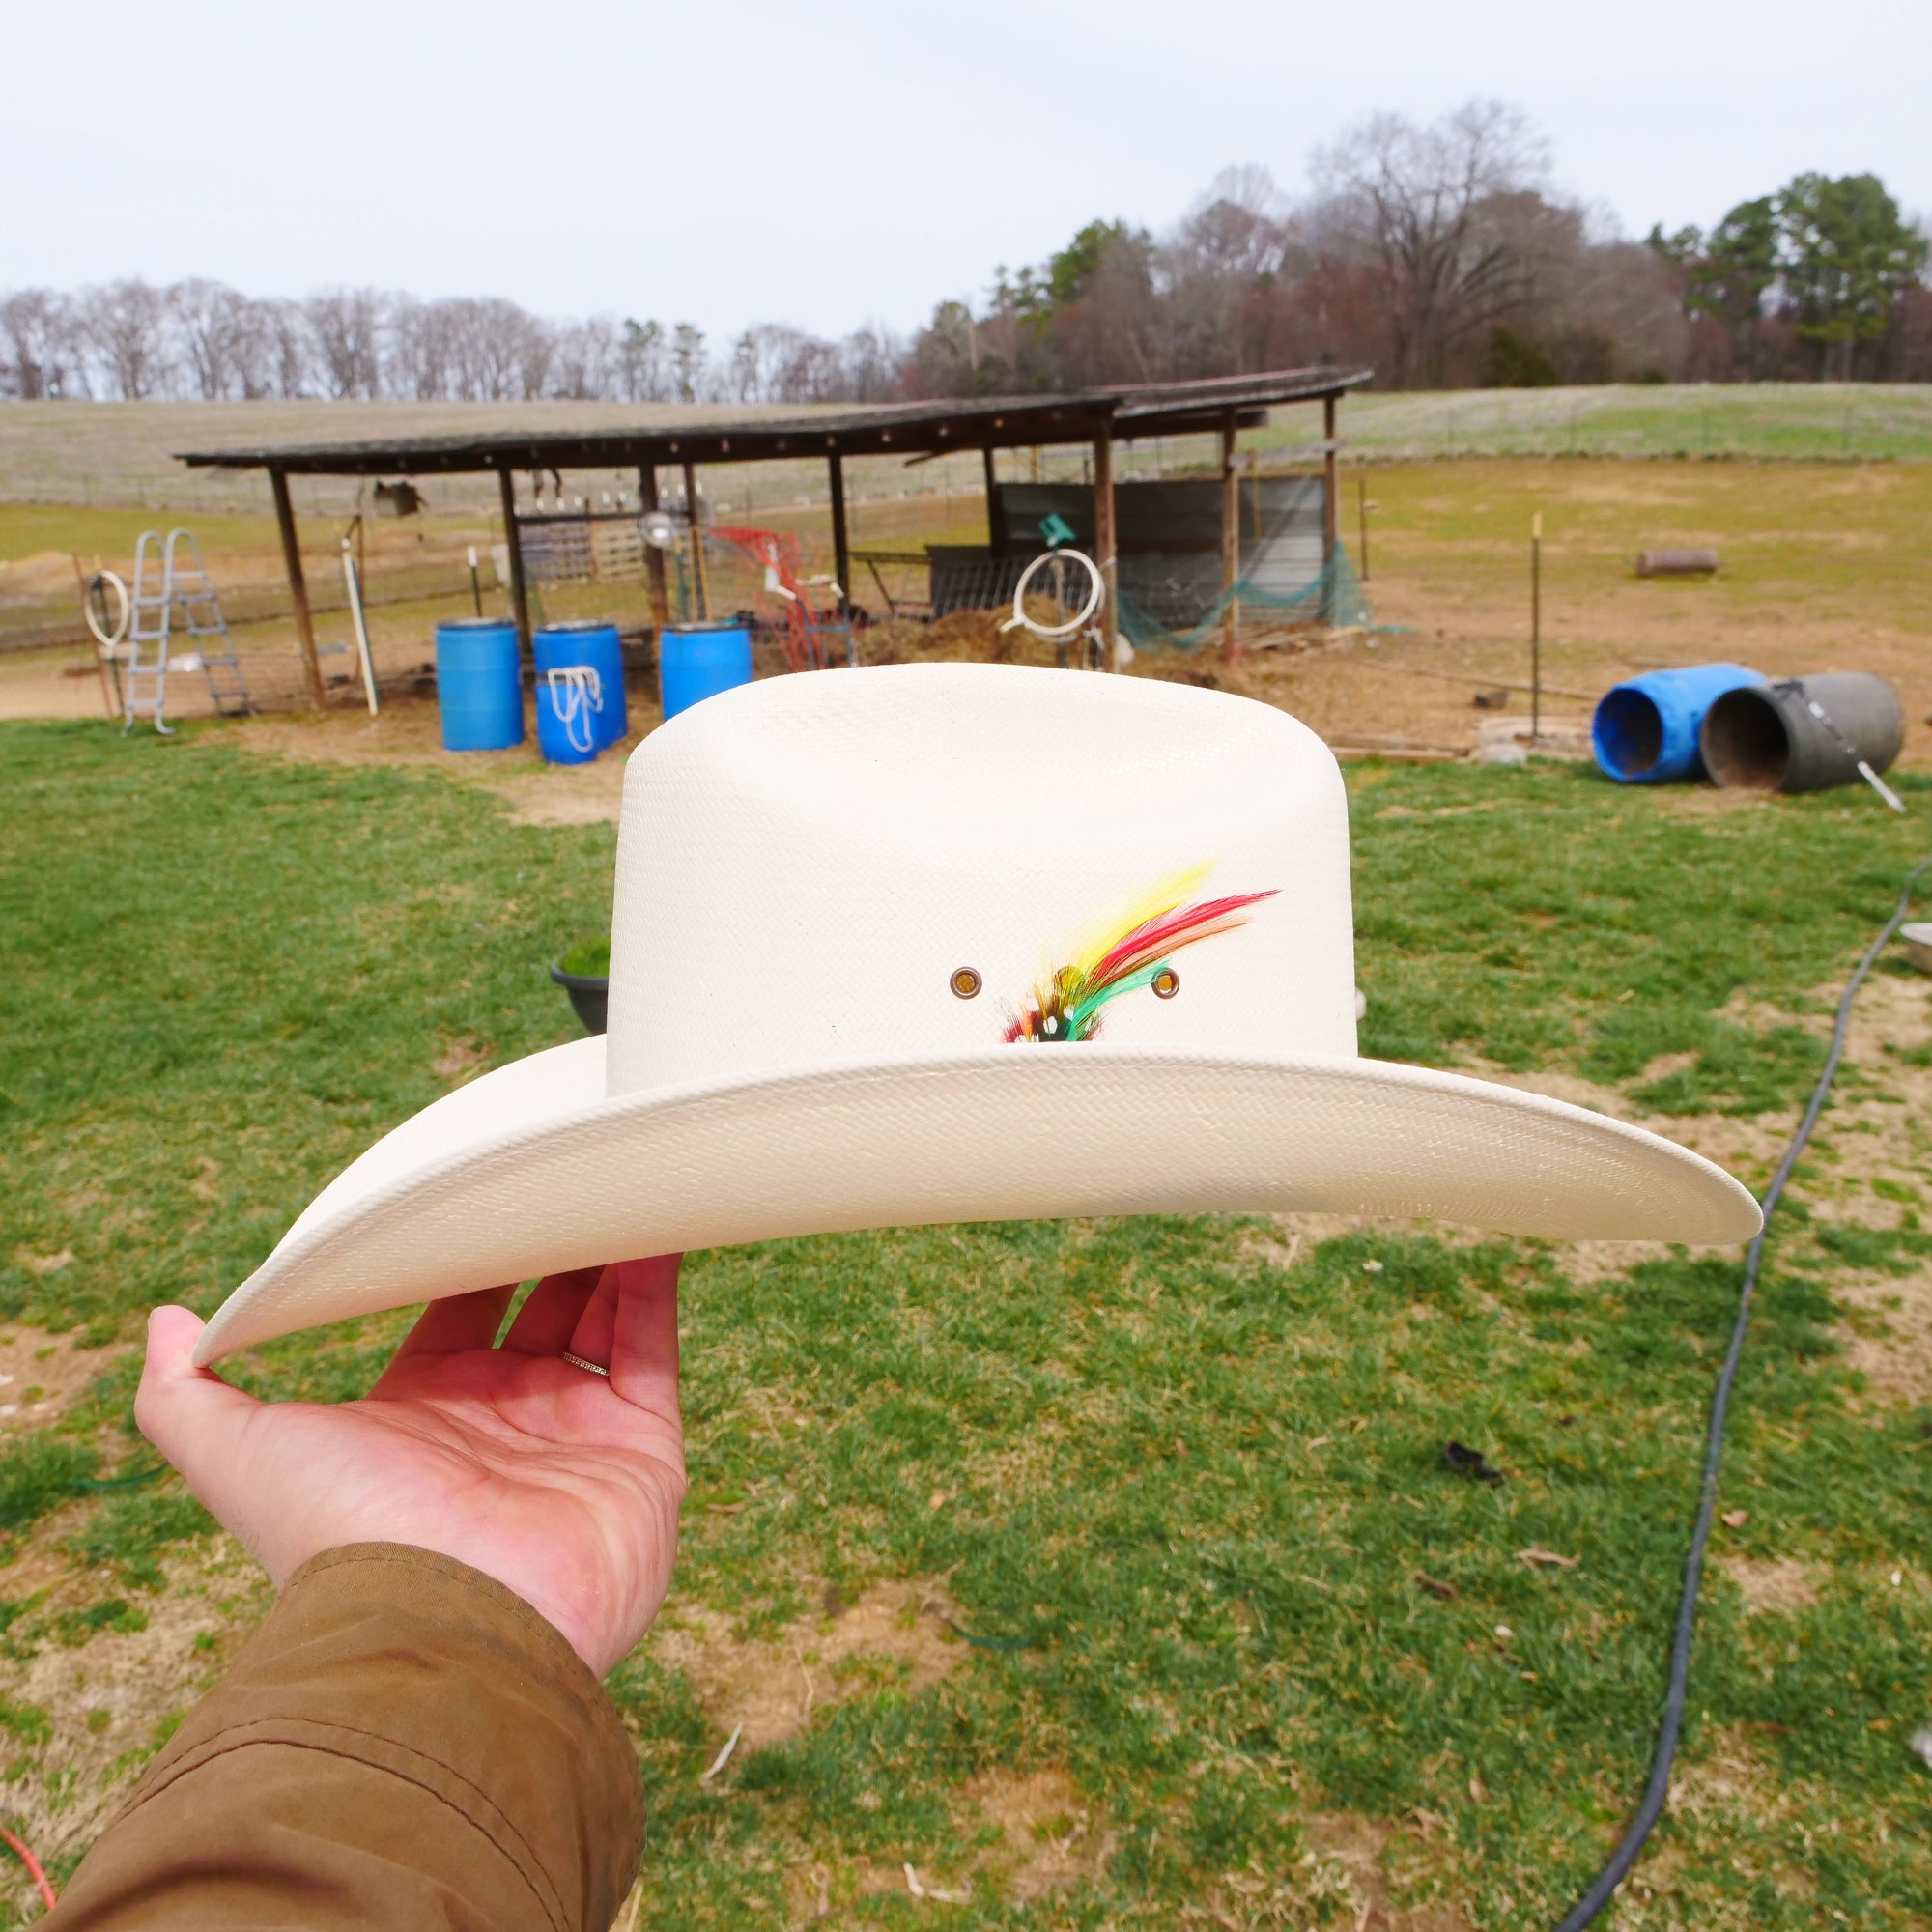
[{"x": 911, "y": 860}]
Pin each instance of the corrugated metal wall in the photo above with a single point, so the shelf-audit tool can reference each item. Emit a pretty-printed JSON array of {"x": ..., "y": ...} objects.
[{"x": 1168, "y": 536}]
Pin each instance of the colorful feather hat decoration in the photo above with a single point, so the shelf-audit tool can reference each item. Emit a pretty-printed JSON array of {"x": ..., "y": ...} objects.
[{"x": 1133, "y": 952}]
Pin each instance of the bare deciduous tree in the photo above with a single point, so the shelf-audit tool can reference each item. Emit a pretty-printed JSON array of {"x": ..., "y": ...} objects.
[
  {"x": 345, "y": 331},
  {"x": 1220, "y": 267},
  {"x": 418, "y": 358},
  {"x": 1428, "y": 206},
  {"x": 586, "y": 362},
  {"x": 125, "y": 326},
  {"x": 210, "y": 321},
  {"x": 43, "y": 358}
]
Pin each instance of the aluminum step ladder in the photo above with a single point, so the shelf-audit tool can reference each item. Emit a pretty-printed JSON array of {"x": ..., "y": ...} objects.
[
  {"x": 144, "y": 683},
  {"x": 197, "y": 614},
  {"x": 177, "y": 601}
]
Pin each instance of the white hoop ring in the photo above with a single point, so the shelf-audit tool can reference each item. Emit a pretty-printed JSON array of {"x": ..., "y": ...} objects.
[
  {"x": 1054, "y": 634},
  {"x": 108, "y": 582}
]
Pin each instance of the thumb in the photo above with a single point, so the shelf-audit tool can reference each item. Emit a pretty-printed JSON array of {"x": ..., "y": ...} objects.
[{"x": 190, "y": 1414}]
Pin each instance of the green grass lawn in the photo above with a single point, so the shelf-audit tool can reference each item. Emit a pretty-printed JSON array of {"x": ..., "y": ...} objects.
[
  {"x": 1829, "y": 550},
  {"x": 1179, "y": 1478},
  {"x": 1809, "y": 421}
]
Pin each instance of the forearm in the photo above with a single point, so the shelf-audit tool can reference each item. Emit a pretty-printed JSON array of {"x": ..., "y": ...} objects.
[{"x": 403, "y": 1743}]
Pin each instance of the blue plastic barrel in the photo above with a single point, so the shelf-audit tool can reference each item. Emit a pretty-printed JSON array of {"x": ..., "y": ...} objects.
[
  {"x": 566, "y": 718},
  {"x": 596, "y": 644},
  {"x": 698, "y": 661},
  {"x": 479, "y": 687},
  {"x": 1645, "y": 731}
]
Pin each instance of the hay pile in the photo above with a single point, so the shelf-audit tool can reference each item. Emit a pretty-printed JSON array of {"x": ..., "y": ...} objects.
[{"x": 961, "y": 636}]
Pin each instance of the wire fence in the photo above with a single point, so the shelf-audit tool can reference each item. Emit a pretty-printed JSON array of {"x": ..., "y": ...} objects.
[{"x": 1333, "y": 599}]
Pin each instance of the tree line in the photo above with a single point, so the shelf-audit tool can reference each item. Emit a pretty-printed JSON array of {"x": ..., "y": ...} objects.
[
  {"x": 1439, "y": 253},
  {"x": 131, "y": 341}
]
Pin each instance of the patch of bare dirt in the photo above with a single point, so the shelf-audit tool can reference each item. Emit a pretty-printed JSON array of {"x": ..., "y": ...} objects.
[
  {"x": 896, "y": 1635},
  {"x": 1730, "y": 1798},
  {"x": 1771, "y": 1583},
  {"x": 1378, "y": 1861},
  {"x": 1050, "y": 1838},
  {"x": 40, "y": 688},
  {"x": 1892, "y": 1347},
  {"x": 1354, "y": 1873},
  {"x": 461, "y": 1059},
  {"x": 1747, "y": 1147},
  {"x": 409, "y": 734},
  {"x": 40, "y": 1374},
  {"x": 88, "y": 1716}
]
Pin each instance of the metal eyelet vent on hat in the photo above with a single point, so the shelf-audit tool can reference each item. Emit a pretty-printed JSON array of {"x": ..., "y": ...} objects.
[
  {"x": 1165, "y": 984},
  {"x": 965, "y": 981}
]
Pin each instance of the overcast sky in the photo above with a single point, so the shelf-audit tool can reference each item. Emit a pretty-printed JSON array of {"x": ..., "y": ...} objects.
[{"x": 851, "y": 161}]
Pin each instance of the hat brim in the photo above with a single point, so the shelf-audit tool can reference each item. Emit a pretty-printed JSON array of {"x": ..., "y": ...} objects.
[{"x": 531, "y": 1170}]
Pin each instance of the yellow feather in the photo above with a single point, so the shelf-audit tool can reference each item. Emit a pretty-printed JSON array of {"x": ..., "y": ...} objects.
[{"x": 1158, "y": 899}]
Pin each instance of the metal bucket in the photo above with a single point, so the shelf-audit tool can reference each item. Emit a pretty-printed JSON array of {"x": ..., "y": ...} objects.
[
  {"x": 1774, "y": 739},
  {"x": 1917, "y": 938}
]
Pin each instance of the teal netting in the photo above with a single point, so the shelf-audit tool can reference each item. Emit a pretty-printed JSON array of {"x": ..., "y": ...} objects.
[{"x": 1334, "y": 598}]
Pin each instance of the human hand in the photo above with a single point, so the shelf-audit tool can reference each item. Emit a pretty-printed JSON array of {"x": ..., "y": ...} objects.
[{"x": 562, "y": 1485}]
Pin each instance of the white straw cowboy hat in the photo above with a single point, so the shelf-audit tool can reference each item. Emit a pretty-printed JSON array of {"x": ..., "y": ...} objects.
[{"x": 941, "y": 943}]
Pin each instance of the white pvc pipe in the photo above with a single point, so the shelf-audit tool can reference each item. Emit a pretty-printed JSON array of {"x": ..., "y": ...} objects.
[{"x": 361, "y": 629}]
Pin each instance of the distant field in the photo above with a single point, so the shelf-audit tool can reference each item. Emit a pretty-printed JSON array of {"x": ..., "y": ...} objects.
[
  {"x": 1808, "y": 421},
  {"x": 114, "y": 454},
  {"x": 124, "y": 453}
]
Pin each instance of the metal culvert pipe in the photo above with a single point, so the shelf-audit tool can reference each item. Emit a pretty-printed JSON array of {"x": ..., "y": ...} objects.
[
  {"x": 1645, "y": 730},
  {"x": 1771, "y": 739}
]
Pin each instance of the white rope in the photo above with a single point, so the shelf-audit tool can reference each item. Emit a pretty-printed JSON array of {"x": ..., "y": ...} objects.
[{"x": 574, "y": 692}]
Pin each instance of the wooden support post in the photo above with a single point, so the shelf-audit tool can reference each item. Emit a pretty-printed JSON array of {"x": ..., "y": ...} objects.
[
  {"x": 1105, "y": 545},
  {"x": 654, "y": 557},
  {"x": 996, "y": 528},
  {"x": 520, "y": 595},
  {"x": 841, "y": 547},
  {"x": 1230, "y": 543},
  {"x": 697, "y": 570},
  {"x": 1331, "y": 482},
  {"x": 291, "y": 560}
]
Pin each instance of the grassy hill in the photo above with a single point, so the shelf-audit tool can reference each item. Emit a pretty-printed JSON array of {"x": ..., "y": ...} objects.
[{"x": 124, "y": 453}]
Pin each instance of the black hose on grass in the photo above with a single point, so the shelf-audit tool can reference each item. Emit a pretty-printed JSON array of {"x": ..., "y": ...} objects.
[{"x": 1614, "y": 1874}]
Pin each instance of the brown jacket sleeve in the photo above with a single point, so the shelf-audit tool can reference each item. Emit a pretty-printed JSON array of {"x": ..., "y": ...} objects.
[{"x": 403, "y": 1743}]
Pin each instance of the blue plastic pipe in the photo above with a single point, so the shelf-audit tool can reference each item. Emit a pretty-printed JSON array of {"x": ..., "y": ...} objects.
[{"x": 1645, "y": 731}]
